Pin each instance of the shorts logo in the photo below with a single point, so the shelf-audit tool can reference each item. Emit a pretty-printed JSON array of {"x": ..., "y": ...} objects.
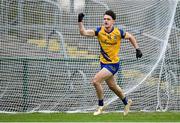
[{"x": 112, "y": 68}]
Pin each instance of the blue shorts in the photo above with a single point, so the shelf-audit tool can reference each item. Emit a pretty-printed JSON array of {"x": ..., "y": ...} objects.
[{"x": 113, "y": 68}]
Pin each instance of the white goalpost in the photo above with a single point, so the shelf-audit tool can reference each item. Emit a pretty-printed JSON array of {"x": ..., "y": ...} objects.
[{"x": 47, "y": 66}]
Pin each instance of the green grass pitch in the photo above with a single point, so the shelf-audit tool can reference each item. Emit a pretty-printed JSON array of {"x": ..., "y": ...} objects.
[{"x": 88, "y": 117}]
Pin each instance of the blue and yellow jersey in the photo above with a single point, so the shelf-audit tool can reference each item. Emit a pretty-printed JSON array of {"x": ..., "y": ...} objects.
[{"x": 109, "y": 44}]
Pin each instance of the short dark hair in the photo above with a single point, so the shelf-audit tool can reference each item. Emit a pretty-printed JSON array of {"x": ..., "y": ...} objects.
[{"x": 110, "y": 13}]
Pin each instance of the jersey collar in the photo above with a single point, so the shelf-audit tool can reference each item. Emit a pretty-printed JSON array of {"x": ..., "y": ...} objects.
[{"x": 110, "y": 31}]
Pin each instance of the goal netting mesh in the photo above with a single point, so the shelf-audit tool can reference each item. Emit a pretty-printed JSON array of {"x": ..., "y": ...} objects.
[{"x": 47, "y": 66}]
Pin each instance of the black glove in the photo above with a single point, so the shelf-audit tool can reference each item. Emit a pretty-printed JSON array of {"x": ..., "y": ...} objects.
[
  {"x": 80, "y": 17},
  {"x": 138, "y": 53}
]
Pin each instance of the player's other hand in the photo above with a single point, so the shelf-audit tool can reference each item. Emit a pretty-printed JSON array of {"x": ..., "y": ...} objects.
[
  {"x": 138, "y": 53},
  {"x": 80, "y": 17}
]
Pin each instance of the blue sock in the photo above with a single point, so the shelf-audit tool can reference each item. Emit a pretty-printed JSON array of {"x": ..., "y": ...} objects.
[
  {"x": 101, "y": 102},
  {"x": 125, "y": 101}
]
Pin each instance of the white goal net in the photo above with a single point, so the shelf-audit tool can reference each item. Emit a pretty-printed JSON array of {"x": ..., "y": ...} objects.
[{"x": 47, "y": 66}]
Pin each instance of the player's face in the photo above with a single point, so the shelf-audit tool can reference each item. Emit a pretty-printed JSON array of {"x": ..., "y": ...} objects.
[{"x": 108, "y": 21}]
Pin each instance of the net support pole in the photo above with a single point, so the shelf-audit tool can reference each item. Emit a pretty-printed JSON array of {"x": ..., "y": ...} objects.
[
  {"x": 20, "y": 12},
  {"x": 25, "y": 84}
]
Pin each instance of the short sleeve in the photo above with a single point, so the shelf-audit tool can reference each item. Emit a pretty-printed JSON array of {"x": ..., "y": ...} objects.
[
  {"x": 97, "y": 31},
  {"x": 123, "y": 33}
]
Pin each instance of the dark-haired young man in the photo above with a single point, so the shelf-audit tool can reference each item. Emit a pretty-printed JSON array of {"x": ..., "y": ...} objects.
[{"x": 109, "y": 38}]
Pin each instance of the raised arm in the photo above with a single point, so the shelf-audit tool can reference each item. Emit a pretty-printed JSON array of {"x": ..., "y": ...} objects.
[
  {"x": 133, "y": 41},
  {"x": 82, "y": 30}
]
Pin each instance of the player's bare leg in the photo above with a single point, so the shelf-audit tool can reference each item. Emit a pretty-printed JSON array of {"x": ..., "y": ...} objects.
[
  {"x": 119, "y": 92},
  {"x": 97, "y": 81},
  {"x": 111, "y": 82}
]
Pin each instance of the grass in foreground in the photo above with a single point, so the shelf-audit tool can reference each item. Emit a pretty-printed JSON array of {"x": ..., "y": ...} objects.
[{"x": 88, "y": 117}]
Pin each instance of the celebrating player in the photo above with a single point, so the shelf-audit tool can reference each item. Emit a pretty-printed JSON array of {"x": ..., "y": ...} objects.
[{"x": 109, "y": 38}]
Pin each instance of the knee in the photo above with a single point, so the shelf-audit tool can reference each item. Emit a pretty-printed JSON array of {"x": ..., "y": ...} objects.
[
  {"x": 95, "y": 81},
  {"x": 112, "y": 87}
]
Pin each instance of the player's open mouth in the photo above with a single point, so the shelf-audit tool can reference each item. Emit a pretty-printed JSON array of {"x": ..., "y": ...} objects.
[{"x": 105, "y": 23}]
